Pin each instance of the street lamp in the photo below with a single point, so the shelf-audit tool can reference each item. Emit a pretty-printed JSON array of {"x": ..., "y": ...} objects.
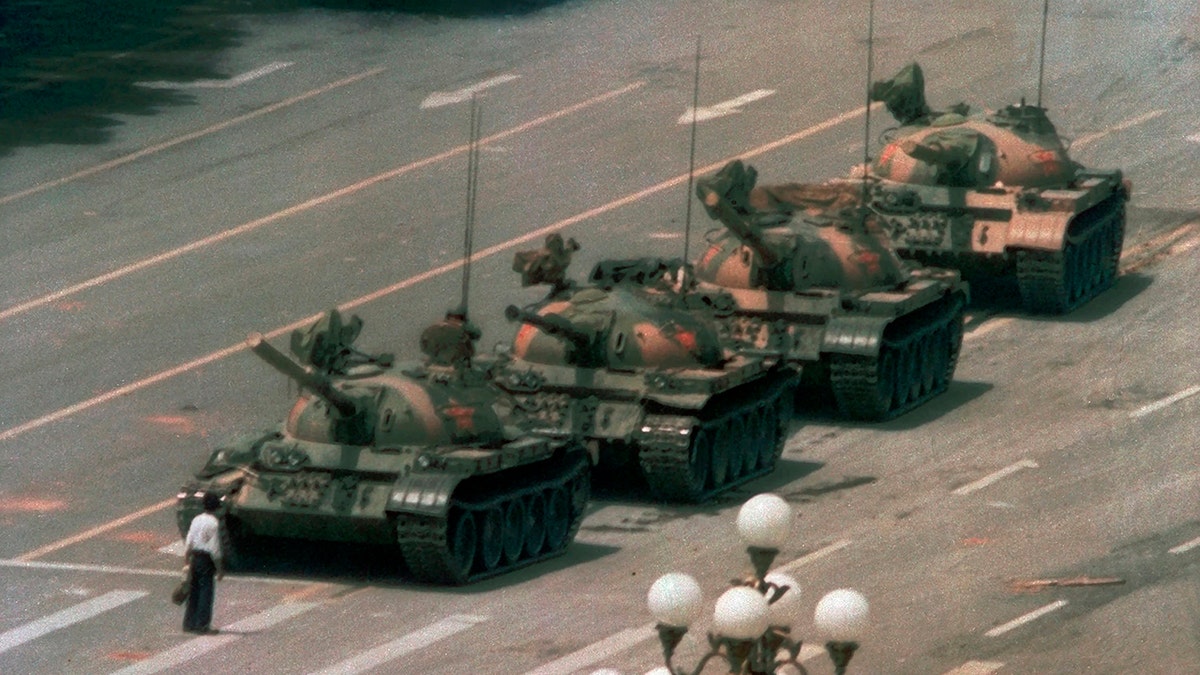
[{"x": 751, "y": 620}]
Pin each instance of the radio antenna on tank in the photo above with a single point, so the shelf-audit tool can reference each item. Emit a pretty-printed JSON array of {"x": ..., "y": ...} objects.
[
  {"x": 687, "y": 218},
  {"x": 472, "y": 187},
  {"x": 867, "y": 114},
  {"x": 1042, "y": 58}
]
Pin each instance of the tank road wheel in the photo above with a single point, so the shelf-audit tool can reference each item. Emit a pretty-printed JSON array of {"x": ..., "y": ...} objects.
[
  {"x": 700, "y": 461},
  {"x": 558, "y": 518},
  {"x": 491, "y": 537},
  {"x": 721, "y": 450},
  {"x": 535, "y": 524},
  {"x": 762, "y": 445},
  {"x": 513, "y": 540},
  {"x": 463, "y": 542},
  {"x": 929, "y": 362}
]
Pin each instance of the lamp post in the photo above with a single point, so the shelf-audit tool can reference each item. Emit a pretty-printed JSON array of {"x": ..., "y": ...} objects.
[{"x": 752, "y": 619}]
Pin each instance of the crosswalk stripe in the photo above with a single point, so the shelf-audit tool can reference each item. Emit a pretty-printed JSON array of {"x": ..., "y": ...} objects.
[
  {"x": 411, "y": 642},
  {"x": 597, "y": 652},
  {"x": 976, "y": 668},
  {"x": 199, "y": 646},
  {"x": 71, "y": 615}
]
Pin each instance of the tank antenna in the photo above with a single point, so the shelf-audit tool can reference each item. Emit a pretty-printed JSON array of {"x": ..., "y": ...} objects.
[
  {"x": 867, "y": 114},
  {"x": 1042, "y": 59},
  {"x": 472, "y": 187},
  {"x": 687, "y": 218}
]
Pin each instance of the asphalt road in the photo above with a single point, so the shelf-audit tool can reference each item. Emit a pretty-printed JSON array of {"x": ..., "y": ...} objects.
[{"x": 313, "y": 164}]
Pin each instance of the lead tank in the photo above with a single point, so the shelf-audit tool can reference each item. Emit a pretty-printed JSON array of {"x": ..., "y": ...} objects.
[
  {"x": 430, "y": 459},
  {"x": 996, "y": 195},
  {"x": 813, "y": 277},
  {"x": 632, "y": 363}
]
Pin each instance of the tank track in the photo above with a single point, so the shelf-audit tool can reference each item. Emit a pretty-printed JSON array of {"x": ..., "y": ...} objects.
[
  {"x": 490, "y": 527},
  {"x": 736, "y": 439},
  {"x": 1056, "y": 282},
  {"x": 916, "y": 362}
]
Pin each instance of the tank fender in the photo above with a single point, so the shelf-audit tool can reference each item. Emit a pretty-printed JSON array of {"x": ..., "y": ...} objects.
[
  {"x": 425, "y": 494},
  {"x": 856, "y": 335}
]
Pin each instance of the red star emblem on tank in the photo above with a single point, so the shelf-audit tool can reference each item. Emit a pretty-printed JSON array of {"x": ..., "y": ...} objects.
[
  {"x": 464, "y": 416},
  {"x": 685, "y": 338},
  {"x": 867, "y": 259},
  {"x": 1049, "y": 161}
]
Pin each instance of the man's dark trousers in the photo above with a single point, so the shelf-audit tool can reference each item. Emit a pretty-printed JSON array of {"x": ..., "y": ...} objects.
[{"x": 198, "y": 615}]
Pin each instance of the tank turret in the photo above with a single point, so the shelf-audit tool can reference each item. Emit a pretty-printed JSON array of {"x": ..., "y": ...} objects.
[
  {"x": 813, "y": 277},
  {"x": 996, "y": 196},
  {"x": 632, "y": 362},
  {"x": 430, "y": 459}
]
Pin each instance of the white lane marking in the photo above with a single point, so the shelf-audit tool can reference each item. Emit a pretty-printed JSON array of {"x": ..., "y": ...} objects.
[
  {"x": 1194, "y": 138},
  {"x": 815, "y": 555},
  {"x": 71, "y": 615},
  {"x": 426, "y": 275},
  {"x": 1162, "y": 403},
  {"x": 1185, "y": 547},
  {"x": 976, "y": 668},
  {"x": 597, "y": 652},
  {"x": 202, "y": 645},
  {"x": 175, "y": 549},
  {"x": 399, "y": 647},
  {"x": 139, "y": 571},
  {"x": 1120, "y": 126},
  {"x": 1026, "y": 618},
  {"x": 100, "y": 529},
  {"x": 227, "y": 83},
  {"x": 723, "y": 108},
  {"x": 220, "y": 126},
  {"x": 440, "y": 98},
  {"x": 305, "y": 206},
  {"x": 995, "y": 476}
]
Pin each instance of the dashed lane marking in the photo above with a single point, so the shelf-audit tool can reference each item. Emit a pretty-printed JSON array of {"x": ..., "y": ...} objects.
[
  {"x": 138, "y": 571},
  {"x": 393, "y": 650},
  {"x": 596, "y": 652},
  {"x": 440, "y": 98},
  {"x": 1026, "y": 618},
  {"x": 995, "y": 476},
  {"x": 733, "y": 105},
  {"x": 99, "y": 529},
  {"x": 125, "y": 159},
  {"x": 976, "y": 668},
  {"x": 1163, "y": 403},
  {"x": 199, "y": 646},
  {"x": 165, "y": 256},
  {"x": 13, "y": 432},
  {"x": 1185, "y": 547},
  {"x": 226, "y": 83},
  {"x": 814, "y": 556},
  {"x": 67, "y": 617},
  {"x": 1087, "y": 139}
]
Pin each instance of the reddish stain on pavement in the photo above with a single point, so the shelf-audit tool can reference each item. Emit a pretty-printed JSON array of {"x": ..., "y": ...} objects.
[{"x": 30, "y": 505}]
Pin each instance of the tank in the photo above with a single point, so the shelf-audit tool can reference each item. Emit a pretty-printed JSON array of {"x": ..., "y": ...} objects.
[
  {"x": 430, "y": 460},
  {"x": 813, "y": 277},
  {"x": 631, "y": 362},
  {"x": 996, "y": 196}
]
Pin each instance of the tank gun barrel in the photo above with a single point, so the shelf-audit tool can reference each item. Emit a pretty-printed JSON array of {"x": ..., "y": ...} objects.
[
  {"x": 552, "y": 324},
  {"x": 719, "y": 208},
  {"x": 315, "y": 382}
]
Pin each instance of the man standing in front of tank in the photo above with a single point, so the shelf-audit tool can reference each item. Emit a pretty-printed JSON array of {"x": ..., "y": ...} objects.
[{"x": 202, "y": 549}]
